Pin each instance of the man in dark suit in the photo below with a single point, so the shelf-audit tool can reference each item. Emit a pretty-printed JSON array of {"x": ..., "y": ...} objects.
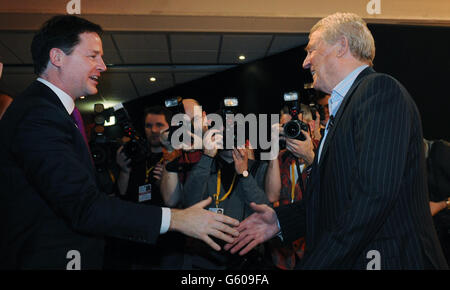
[
  {"x": 366, "y": 205},
  {"x": 52, "y": 215}
]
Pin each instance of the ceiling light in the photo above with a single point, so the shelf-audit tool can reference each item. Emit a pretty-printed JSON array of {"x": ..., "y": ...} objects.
[
  {"x": 242, "y": 57},
  {"x": 152, "y": 79}
]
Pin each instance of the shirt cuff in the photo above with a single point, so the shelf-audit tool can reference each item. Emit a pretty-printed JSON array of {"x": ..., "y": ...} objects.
[
  {"x": 279, "y": 233},
  {"x": 165, "y": 220}
]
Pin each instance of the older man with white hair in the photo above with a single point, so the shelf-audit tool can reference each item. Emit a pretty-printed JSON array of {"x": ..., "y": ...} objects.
[{"x": 366, "y": 204}]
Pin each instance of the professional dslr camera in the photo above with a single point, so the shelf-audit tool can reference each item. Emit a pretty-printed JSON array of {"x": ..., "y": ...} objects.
[
  {"x": 292, "y": 129},
  {"x": 175, "y": 105},
  {"x": 108, "y": 139},
  {"x": 230, "y": 106}
]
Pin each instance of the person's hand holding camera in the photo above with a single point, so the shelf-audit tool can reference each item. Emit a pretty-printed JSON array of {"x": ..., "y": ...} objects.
[
  {"x": 250, "y": 151},
  {"x": 276, "y": 134},
  {"x": 157, "y": 172},
  {"x": 123, "y": 161},
  {"x": 164, "y": 138},
  {"x": 240, "y": 157},
  {"x": 302, "y": 149},
  {"x": 212, "y": 142}
]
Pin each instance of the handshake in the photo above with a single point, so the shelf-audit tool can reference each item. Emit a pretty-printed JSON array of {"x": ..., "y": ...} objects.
[{"x": 199, "y": 223}]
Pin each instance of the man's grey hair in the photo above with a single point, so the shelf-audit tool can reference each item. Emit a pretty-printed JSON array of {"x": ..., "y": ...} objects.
[{"x": 352, "y": 27}]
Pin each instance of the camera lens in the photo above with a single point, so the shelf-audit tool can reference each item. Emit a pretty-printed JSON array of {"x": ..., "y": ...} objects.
[{"x": 292, "y": 130}]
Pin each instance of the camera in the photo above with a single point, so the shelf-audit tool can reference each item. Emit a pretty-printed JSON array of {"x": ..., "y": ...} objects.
[
  {"x": 175, "y": 105},
  {"x": 292, "y": 129},
  {"x": 108, "y": 138},
  {"x": 230, "y": 107}
]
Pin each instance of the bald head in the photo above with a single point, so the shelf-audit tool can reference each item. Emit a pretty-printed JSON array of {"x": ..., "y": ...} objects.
[{"x": 189, "y": 105}]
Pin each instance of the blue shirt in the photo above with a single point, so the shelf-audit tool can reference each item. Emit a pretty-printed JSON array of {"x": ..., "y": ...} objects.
[{"x": 337, "y": 96}]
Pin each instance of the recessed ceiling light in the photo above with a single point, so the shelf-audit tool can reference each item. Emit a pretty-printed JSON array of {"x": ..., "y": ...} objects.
[
  {"x": 242, "y": 57},
  {"x": 152, "y": 79}
]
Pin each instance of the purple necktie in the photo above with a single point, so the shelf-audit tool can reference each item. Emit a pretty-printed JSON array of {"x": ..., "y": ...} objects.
[{"x": 76, "y": 116}]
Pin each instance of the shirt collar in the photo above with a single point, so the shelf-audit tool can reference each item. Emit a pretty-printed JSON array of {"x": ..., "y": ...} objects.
[
  {"x": 341, "y": 89},
  {"x": 344, "y": 86},
  {"x": 65, "y": 99}
]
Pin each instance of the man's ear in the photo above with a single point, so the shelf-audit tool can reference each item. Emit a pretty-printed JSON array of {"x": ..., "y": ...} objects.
[
  {"x": 342, "y": 45},
  {"x": 56, "y": 56}
]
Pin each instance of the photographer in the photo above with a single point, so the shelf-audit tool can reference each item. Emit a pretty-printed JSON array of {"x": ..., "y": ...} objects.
[
  {"x": 139, "y": 182},
  {"x": 133, "y": 180},
  {"x": 174, "y": 173},
  {"x": 233, "y": 180},
  {"x": 323, "y": 101},
  {"x": 285, "y": 183}
]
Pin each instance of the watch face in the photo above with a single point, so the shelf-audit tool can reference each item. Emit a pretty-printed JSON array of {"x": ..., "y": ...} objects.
[{"x": 245, "y": 173}]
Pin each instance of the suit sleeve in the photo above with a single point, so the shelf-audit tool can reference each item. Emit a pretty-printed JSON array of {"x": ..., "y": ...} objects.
[
  {"x": 292, "y": 219},
  {"x": 382, "y": 119},
  {"x": 47, "y": 148}
]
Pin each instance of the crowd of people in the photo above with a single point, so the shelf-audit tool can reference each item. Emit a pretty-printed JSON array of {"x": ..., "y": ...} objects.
[{"x": 355, "y": 182}]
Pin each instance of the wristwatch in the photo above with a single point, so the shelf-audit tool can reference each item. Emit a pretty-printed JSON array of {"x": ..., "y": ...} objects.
[
  {"x": 448, "y": 203},
  {"x": 244, "y": 173}
]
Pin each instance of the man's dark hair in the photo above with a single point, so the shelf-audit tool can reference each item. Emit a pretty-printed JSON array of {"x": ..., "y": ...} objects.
[
  {"x": 61, "y": 32},
  {"x": 5, "y": 93},
  {"x": 159, "y": 110}
]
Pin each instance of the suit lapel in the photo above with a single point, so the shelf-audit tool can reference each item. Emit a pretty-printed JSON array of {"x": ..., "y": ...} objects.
[{"x": 341, "y": 110}]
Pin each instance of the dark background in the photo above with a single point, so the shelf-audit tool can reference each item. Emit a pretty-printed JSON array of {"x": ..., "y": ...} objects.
[{"x": 417, "y": 56}]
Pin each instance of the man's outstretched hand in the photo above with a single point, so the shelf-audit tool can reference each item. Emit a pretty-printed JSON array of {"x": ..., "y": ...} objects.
[
  {"x": 259, "y": 227},
  {"x": 199, "y": 223}
]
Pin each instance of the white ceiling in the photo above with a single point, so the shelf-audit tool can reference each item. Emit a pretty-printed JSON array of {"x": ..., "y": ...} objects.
[{"x": 133, "y": 57}]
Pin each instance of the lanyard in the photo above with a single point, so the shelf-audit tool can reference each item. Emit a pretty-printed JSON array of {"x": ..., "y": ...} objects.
[
  {"x": 216, "y": 196},
  {"x": 111, "y": 175},
  {"x": 299, "y": 179},
  {"x": 293, "y": 180},
  {"x": 148, "y": 170}
]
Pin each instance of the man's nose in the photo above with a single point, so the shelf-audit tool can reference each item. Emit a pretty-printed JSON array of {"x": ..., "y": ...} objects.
[
  {"x": 101, "y": 65},
  {"x": 155, "y": 130},
  {"x": 306, "y": 63}
]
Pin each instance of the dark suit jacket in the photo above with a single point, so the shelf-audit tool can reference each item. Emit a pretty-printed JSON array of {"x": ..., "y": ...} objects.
[
  {"x": 49, "y": 201},
  {"x": 369, "y": 190}
]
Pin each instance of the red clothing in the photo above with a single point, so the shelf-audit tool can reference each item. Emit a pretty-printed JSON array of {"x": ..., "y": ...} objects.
[
  {"x": 284, "y": 256},
  {"x": 187, "y": 160}
]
